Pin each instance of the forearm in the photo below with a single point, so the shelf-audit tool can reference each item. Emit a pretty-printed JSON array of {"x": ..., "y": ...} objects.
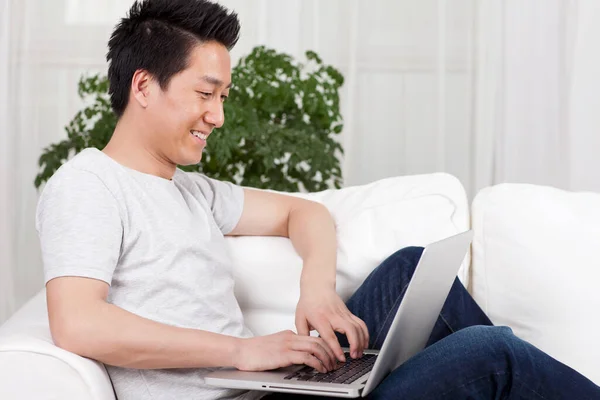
[
  {"x": 117, "y": 337},
  {"x": 311, "y": 229}
]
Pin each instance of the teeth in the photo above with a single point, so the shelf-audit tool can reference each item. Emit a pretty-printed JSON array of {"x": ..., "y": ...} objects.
[{"x": 199, "y": 135}]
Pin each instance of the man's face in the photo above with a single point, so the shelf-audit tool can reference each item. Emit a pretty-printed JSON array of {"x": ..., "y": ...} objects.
[{"x": 181, "y": 117}]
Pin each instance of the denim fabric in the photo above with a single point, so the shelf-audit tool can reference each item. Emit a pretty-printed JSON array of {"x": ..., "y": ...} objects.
[{"x": 466, "y": 357}]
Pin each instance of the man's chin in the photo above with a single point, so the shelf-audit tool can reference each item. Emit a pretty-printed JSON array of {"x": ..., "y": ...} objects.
[{"x": 190, "y": 160}]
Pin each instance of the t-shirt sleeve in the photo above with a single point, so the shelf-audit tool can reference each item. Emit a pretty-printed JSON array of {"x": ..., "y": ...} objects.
[
  {"x": 79, "y": 226},
  {"x": 226, "y": 200}
]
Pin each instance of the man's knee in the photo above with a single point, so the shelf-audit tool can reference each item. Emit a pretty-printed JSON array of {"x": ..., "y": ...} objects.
[
  {"x": 487, "y": 333},
  {"x": 488, "y": 340},
  {"x": 401, "y": 265},
  {"x": 457, "y": 364},
  {"x": 412, "y": 252},
  {"x": 397, "y": 269},
  {"x": 407, "y": 258}
]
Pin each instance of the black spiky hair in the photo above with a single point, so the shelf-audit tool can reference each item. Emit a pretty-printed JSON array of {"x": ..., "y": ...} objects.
[{"x": 158, "y": 35}]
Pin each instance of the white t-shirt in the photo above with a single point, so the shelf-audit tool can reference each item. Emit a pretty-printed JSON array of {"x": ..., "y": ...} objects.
[{"x": 159, "y": 244}]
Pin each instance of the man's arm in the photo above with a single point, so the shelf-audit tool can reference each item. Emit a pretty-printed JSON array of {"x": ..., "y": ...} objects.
[
  {"x": 82, "y": 322},
  {"x": 311, "y": 228},
  {"x": 308, "y": 224}
]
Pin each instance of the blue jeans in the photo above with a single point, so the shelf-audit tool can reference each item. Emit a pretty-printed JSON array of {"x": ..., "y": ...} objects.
[{"x": 466, "y": 356}]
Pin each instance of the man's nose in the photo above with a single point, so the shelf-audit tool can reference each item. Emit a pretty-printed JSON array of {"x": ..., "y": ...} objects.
[{"x": 215, "y": 115}]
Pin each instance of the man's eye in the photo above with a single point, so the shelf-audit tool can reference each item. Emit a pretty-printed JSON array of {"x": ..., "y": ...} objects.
[
  {"x": 223, "y": 98},
  {"x": 205, "y": 94}
]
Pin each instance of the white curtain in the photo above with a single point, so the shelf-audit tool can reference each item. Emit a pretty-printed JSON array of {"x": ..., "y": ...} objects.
[
  {"x": 42, "y": 55},
  {"x": 487, "y": 90},
  {"x": 537, "y": 92},
  {"x": 7, "y": 297},
  {"x": 406, "y": 98},
  {"x": 408, "y": 68},
  {"x": 583, "y": 95}
]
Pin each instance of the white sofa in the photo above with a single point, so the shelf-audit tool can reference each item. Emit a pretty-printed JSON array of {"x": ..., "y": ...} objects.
[{"x": 534, "y": 266}]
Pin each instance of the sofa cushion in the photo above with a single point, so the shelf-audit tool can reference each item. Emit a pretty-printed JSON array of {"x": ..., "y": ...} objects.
[
  {"x": 372, "y": 222},
  {"x": 536, "y": 268}
]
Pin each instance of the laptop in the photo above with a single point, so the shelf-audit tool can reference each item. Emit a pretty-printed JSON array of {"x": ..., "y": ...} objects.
[{"x": 408, "y": 334}]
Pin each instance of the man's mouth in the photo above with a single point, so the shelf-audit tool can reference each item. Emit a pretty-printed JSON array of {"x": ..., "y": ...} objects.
[{"x": 199, "y": 135}]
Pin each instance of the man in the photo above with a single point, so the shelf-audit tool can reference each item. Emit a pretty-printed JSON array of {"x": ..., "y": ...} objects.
[{"x": 137, "y": 271}]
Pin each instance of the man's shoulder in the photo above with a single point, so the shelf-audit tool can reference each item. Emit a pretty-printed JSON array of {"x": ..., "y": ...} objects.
[
  {"x": 78, "y": 189},
  {"x": 86, "y": 174},
  {"x": 89, "y": 159}
]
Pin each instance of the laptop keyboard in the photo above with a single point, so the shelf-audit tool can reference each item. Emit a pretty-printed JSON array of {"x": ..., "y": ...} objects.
[{"x": 347, "y": 373}]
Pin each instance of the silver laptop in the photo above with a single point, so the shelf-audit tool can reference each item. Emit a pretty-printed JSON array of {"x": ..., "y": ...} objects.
[{"x": 408, "y": 334}]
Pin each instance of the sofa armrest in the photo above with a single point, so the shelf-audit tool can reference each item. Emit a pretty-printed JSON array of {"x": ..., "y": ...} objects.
[{"x": 32, "y": 367}]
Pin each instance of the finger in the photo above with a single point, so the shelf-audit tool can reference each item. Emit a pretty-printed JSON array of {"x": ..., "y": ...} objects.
[
  {"x": 302, "y": 325},
  {"x": 300, "y": 357},
  {"x": 360, "y": 340},
  {"x": 328, "y": 335},
  {"x": 349, "y": 317},
  {"x": 330, "y": 353},
  {"x": 351, "y": 332},
  {"x": 311, "y": 346},
  {"x": 352, "y": 328},
  {"x": 360, "y": 334},
  {"x": 364, "y": 329}
]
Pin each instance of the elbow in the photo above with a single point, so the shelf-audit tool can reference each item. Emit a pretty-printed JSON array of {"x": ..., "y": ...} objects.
[
  {"x": 85, "y": 340},
  {"x": 76, "y": 336},
  {"x": 68, "y": 337}
]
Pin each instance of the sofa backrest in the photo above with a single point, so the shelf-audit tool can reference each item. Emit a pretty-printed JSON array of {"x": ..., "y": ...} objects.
[
  {"x": 372, "y": 222},
  {"x": 536, "y": 268}
]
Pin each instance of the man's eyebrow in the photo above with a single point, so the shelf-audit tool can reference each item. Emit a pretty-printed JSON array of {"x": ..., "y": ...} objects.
[{"x": 214, "y": 81}]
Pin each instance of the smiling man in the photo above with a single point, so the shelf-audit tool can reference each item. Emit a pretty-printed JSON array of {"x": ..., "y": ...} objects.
[{"x": 136, "y": 266}]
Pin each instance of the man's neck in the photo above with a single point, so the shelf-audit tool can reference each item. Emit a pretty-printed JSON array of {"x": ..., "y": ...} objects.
[{"x": 128, "y": 147}]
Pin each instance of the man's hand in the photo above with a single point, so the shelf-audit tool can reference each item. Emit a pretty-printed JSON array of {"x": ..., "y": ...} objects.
[
  {"x": 322, "y": 309},
  {"x": 283, "y": 349}
]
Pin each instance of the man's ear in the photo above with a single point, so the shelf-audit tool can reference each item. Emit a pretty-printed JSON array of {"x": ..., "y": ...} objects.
[{"x": 141, "y": 85}]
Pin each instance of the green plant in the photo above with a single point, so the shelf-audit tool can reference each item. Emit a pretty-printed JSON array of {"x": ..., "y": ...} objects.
[{"x": 281, "y": 122}]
